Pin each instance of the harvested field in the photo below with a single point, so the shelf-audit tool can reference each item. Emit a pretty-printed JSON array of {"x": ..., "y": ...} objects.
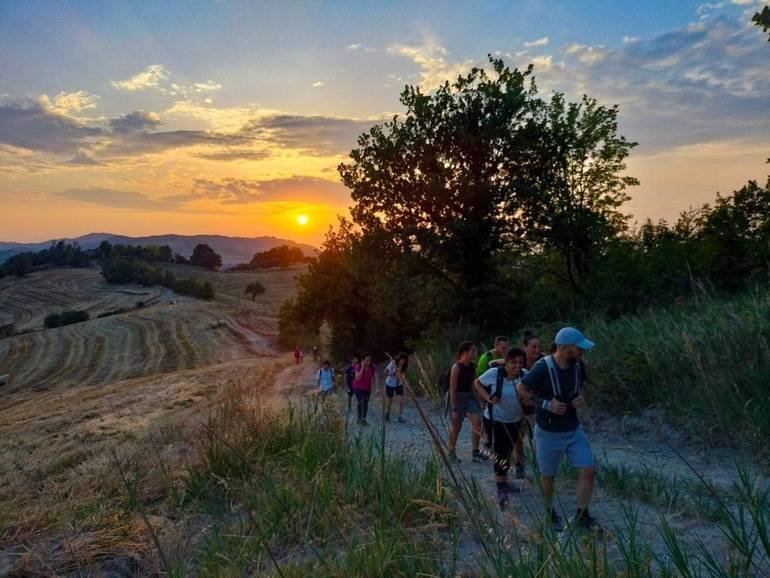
[{"x": 27, "y": 300}]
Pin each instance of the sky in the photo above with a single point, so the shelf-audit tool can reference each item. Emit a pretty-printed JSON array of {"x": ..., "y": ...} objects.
[{"x": 230, "y": 117}]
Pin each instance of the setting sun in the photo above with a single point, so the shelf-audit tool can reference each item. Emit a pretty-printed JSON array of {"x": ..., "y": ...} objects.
[{"x": 302, "y": 219}]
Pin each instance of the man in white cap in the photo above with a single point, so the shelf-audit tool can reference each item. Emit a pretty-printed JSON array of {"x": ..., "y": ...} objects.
[{"x": 555, "y": 385}]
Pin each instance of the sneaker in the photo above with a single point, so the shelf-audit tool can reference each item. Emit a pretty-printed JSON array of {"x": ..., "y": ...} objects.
[
  {"x": 519, "y": 472},
  {"x": 478, "y": 457},
  {"x": 556, "y": 522},
  {"x": 512, "y": 488},
  {"x": 453, "y": 459},
  {"x": 587, "y": 523},
  {"x": 401, "y": 420},
  {"x": 387, "y": 416}
]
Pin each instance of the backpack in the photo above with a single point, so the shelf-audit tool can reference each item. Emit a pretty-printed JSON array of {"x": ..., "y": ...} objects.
[
  {"x": 554, "y": 377},
  {"x": 443, "y": 379}
]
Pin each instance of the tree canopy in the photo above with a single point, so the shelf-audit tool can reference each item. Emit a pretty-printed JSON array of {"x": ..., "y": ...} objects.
[{"x": 205, "y": 256}]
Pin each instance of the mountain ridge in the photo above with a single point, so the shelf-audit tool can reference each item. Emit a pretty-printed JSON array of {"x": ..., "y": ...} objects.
[{"x": 233, "y": 250}]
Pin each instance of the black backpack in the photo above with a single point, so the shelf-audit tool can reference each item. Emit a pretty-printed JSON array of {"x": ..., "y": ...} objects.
[{"x": 443, "y": 379}]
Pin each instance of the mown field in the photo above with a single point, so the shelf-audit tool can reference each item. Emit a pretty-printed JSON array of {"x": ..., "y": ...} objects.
[{"x": 80, "y": 391}]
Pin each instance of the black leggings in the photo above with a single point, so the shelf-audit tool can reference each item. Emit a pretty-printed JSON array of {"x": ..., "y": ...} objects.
[
  {"x": 362, "y": 397},
  {"x": 505, "y": 436}
]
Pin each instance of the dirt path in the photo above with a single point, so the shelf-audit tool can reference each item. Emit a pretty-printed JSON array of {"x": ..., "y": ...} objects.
[{"x": 638, "y": 444}]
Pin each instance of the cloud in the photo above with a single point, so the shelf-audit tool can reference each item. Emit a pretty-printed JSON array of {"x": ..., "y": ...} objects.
[
  {"x": 539, "y": 42},
  {"x": 435, "y": 68},
  {"x": 69, "y": 103},
  {"x": 83, "y": 160},
  {"x": 235, "y": 191},
  {"x": 143, "y": 143},
  {"x": 30, "y": 125},
  {"x": 208, "y": 86},
  {"x": 318, "y": 84},
  {"x": 114, "y": 198},
  {"x": 235, "y": 154},
  {"x": 229, "y": 119},
  {"x": 150, "y": 77},
  {"x": 312, "y": 135},
  {"x": 134, "y": 121}
]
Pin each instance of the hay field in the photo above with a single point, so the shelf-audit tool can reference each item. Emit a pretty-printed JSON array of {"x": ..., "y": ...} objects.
[{"x": 78, "y": 391}]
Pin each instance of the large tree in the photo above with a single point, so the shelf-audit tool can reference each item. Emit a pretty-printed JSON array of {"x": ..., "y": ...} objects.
[{"x": 205, "y": 256}]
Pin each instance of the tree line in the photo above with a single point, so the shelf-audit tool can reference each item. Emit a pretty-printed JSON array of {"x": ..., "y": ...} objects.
[
  {"x": 488, "y": 204},
  {"x": 282, "y": 256}
]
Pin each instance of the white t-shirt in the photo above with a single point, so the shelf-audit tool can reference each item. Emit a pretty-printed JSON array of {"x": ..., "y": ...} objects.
[
  {"x": 508, "y": 409},
  {"x": 391, "y": 377},
  {"x": 326, "y": 379}
]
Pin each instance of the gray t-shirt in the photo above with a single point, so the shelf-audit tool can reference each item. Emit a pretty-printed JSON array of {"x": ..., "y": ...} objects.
[
  {"x": 569, "y": 382},
  {"x": 508, "y": 409}
]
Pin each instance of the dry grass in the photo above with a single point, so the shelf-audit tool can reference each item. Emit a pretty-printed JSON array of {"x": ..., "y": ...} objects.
[{"x": 136, "y": 383}]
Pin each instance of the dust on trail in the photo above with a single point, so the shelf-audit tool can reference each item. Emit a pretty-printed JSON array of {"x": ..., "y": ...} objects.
[{"x": 634, "y": 442}]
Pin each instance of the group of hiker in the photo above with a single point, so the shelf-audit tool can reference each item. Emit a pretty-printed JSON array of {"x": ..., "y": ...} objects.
[{"x": 509, "y": 394}]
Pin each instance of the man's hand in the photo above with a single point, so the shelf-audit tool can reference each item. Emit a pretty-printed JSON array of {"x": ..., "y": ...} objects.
[
  {"x": 493, "y": 400},
  {"x": 557, "y": 407},
  {"x": 455, "y": 415},
  {"x": 579, "y": 401}
]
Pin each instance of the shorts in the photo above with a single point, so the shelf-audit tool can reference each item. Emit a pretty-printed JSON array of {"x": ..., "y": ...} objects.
[
  {"x": 552, "y": 446},
  {"x": 505, "y": 437},
  {"x": 466, "y": 404},
  {"x": 391, "y": 391}
]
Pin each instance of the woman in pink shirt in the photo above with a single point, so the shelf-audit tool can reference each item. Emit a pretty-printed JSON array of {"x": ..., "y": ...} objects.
[{"x": 365, "y": 373}]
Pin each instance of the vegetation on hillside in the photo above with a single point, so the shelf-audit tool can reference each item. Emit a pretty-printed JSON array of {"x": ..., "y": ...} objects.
[
  {"x": 281, "y": 256},
  {"x": 65, "y": 318},
  {"x": 204, "y": 256},
  {"x": 60, "y": 254},
  {"x": 123, "y": 270}
]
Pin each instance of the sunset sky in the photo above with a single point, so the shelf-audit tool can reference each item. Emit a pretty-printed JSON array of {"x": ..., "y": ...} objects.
[{"x": 230, "y": 117}]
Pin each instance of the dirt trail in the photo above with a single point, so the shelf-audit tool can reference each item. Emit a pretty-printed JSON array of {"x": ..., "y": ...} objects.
[{"x": 635, "y": 443}]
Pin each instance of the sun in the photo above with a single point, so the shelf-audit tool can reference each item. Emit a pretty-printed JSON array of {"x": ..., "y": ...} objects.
[{"x": 302, "y": 219}]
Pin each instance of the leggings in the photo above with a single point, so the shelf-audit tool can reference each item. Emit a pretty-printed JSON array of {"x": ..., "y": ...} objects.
[
  {"x": 362, "y": 397},
  {"x": 505, "y": 436}
]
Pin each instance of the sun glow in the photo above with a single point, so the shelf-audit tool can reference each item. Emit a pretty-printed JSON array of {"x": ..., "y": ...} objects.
[{"x": 302, "y": 219}]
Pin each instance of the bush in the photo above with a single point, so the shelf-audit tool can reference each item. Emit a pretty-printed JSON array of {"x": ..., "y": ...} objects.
[{"x": 65, "y": 318}]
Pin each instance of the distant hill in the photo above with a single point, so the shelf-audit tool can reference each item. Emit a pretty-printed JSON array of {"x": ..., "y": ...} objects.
[{"x": 233, "y": 250}]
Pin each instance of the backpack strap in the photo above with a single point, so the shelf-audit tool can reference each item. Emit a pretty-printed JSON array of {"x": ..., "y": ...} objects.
[
  {"x": 501, "y": 374},
  {"x": 553, "y": 374}
]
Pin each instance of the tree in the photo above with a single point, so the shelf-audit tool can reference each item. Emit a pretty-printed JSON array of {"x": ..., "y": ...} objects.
[
  {"x": 762, "y": 20},
  {"x": 105, "y": 250},
  {"x": 254, "y": 288},
  {"x": 438, "y": 187},
  {"x": 281, "y": 256},
  {"x": 573, "y": 185},
  {"x": 204, "y": 256}
]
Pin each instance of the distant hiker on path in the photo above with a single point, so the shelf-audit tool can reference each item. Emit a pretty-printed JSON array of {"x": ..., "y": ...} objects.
[
  {"x": 533, "y": 349},
  {"x": 325, "y": 378},
  {"x": 350, "y": 375},
  {"x": 555, "y": 384},
  {"x": 500, "y": 346},
  {"x": 462, "y": 400},
  {"x": 497, "y": 387},
  {"x": 315, "y": 354},
  {"x": 395, "y": 378},
  {"x": 365, "y": 374},
  {"x": 297, "y": 355}
]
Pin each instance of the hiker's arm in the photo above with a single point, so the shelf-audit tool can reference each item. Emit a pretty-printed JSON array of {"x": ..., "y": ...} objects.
[
  {"x": 481, "y": 392},
  {"x": 453, "y": 375},
  {"x": 359, "y": 372}
]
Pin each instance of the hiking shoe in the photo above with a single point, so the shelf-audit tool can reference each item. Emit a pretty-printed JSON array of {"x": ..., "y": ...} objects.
[
  {"x": 519, "y": 472},
  {"x": 478, "y": 457},
  {"x": 387, "y": 416},
  {"x": 401, "y": 420},
  {"x": 556, "y": 523},
  {"x": 453, "y": 459},
  {"x": 587, "y": 523},
  {"x": 512, "y": 488},
  {"x": 502, "y": 497}
]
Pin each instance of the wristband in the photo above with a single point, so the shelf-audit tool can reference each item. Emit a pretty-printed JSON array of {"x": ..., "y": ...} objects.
[{"x": 547, "y": 404}]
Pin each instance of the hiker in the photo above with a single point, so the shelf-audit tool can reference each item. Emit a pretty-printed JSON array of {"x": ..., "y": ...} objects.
[
  {"x": 325, "y": 378},
  {"x": 350, "y": 375},
  {"x": 462, "y": 401},
  {"x": 555, "y": 385},
  {"x": 499, "y": 347},
  {"x": 395, "y": 377},
  {"x": 365, "y": 374},
  {"x": 297, "y": 355},
  {"x": 532, "y": 348},
  {"x": 498, "y": 387},
  {"x": 315, "y": 354}
]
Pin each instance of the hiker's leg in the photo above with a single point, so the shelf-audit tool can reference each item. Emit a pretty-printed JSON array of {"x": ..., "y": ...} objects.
[
  {"x": 457, "y": 424},
  {"x": 547, "y": 482},
  {"x": 388, "y": 401},
  {"x": 519, "y": 450},
  {"x": 585, "y": 487},
  {"x": 502, "y": 448},
  {"x": 476, "y": 429}
]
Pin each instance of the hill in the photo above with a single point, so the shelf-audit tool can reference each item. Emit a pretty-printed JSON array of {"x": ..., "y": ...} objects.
[{"x": 232, "y": 249}]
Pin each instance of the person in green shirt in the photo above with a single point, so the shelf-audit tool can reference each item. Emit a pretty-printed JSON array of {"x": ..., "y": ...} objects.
[{"x": 482, "y": 365}]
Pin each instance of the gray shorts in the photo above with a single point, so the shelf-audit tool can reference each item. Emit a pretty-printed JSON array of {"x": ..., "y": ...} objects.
[
  {"x": 466, "y": 404},
  {"x": 551, "y": 447}
]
